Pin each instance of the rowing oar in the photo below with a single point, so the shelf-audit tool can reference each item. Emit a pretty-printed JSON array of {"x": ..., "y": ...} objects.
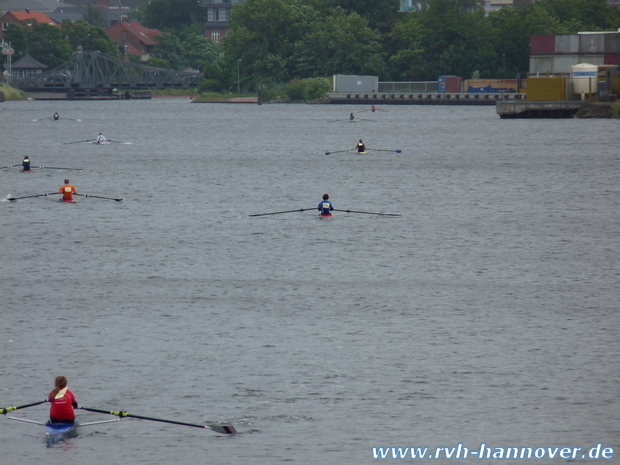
[
  {"x": 10, "y": 166},
  {"x": 30, "y": 196},
  {"x": 367, "y": 213},
  {"x": 223, "y": 429},
  {"x": 337, "y": 151},
  {"x": 287, "y": 211},
  {"x": 98, "y": 197},
  {"x": 78, "y": 141},
  {"x": 54, "y": 168},
  {"x": 381, "y": 150},
  {"x": 4, "y": 411}
]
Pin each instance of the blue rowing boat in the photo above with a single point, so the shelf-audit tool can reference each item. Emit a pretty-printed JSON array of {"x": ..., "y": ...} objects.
[{"x": 56, "y": 432}]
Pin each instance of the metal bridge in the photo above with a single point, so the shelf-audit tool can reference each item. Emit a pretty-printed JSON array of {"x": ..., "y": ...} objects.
[{"x": 96, "y": 71}]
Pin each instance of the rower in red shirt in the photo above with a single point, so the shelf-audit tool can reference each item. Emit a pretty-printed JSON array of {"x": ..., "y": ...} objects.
[
  {"x": 67, "y": 191},
  {"x": 63, "y": 402}
]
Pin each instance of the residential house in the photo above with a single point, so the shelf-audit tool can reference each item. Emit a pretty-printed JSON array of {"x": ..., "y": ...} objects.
[
  {"x": 14, "y": 17},
  {"x": 218, "y": 15},
  {"x": 33, "y": 5},
  {"x": 133, "y": 38},
  {"x": 75, "y": 13}
]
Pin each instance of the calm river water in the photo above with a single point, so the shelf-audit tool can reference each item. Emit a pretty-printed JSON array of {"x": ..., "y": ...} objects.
[{"x": 486, "y": 313}]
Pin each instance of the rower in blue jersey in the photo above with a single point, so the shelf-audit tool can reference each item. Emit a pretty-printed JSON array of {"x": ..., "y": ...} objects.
[
  {"x": 326, "y": 207},
  {"x": 26, "y": 163}
]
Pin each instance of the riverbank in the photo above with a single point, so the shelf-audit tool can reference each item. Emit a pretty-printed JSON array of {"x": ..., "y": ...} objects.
[{"x": 11, "y": 93}]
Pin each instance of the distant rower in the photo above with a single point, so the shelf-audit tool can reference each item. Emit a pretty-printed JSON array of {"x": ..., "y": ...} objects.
[
  {"x": 67, "y": 191},
  {"x": 351, "y": 117},
  {"x": 361, "y": 147},
  {"x": 100, "y": 138},
  {"x": 372, "y": 108},
  {"x": 326, "y": 207},
  {"x": 26, "y": 163},
  {"x": 56, "y": 117}
]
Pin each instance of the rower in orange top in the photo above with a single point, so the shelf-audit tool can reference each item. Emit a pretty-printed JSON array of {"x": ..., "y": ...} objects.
[{"x": 67, "y": 191}]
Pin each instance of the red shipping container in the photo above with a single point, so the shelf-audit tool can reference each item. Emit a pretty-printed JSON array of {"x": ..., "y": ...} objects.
[
  {"x": 453, "y": 85},
  {"x": 612, "y": 58},
  {"x": 542, "y": 45}
]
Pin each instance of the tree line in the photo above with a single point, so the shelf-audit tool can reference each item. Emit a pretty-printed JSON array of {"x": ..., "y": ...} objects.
[{"x": 277, "y": 41}]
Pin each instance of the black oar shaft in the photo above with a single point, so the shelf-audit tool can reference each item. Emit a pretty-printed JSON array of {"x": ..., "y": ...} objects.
[
  {"x": 224, "y": 429},
  {"x": 78, "y": 141},
  {"x": 30, "y": 196},
  {"x": 367, "y": 213},
  {"x": 6, "y": 410},
  {"x": 99, "y": 197},
  {"x": 287, "y": 211},
  {"x": 55, "y": 168}
]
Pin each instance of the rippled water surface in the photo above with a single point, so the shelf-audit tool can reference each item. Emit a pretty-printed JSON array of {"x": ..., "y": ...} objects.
[{"x": 486, "y": 313}]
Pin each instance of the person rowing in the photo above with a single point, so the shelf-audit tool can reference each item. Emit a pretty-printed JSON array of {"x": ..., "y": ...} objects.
[
  {"x": 63, "y": 402},
  {"x": 56, "y": 116},
  {"x": 351, "y": 117},
  {"x": 67, "y": 191},
  {"x": 100, "y": 138},
  {"x": 326, "y": 207},
  {"x": 360, "y": 147},
  {"x": 26, "y": 163},
  {"x": 372, "y": 108}
]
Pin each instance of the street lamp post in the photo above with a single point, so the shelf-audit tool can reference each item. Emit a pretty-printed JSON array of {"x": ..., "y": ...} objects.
[
  {"x": 238, "y": 75},
  {"x": 503, "y": 62}
]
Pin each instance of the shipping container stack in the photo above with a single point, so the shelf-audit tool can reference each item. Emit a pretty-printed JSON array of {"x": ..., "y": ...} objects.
[{"x": 557, "y": 54}]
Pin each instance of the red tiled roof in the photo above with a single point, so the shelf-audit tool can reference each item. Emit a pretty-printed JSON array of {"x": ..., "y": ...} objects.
[
  {"x": 38, "y": 15},
  {"x": 145, "y": 35}
]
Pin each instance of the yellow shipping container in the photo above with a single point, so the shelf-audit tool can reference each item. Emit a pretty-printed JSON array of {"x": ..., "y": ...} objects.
[{"x": 546, "y": 89}]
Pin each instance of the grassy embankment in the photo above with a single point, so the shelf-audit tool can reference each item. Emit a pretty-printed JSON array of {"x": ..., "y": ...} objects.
[
  {"x": 197, "y": 96},
  {"x": 11, "y": 93}
]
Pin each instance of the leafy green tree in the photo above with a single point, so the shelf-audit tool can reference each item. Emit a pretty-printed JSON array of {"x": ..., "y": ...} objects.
[
  {"x": 17, "y": 34},
  {"x": 172, "y": 15},
  {"x": 406, "y": 49},
  {"x": 263, "y": 33},
  {"x": 199, "y": 50},
  {"x": 341, "y": 43},
  {"x": 94, "y": 17},
  {"x": 375, "y": 11},
  {"x": 170, "y": 49},
  {"x": 280, "y": 40},
  {"x": 43, "y": 42},
  {"x": 89, "y": 37}
]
